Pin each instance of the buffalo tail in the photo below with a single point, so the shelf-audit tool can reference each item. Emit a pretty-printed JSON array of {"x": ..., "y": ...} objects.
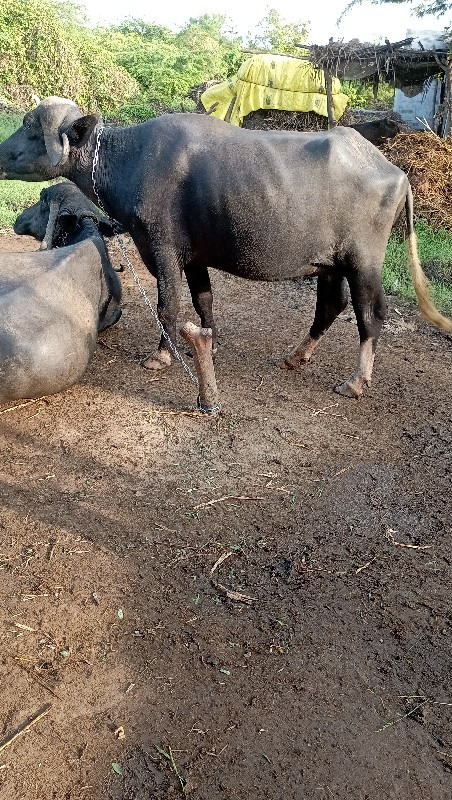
[{"x": 420, "y": 282}]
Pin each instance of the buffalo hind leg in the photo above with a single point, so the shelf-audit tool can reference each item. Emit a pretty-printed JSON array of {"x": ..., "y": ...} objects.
[
  {"x": 201, "y": 294},
  {"x": 332, "y": 299},
  {"x": 369, "y": 305},
  {"x": 169, "y": 279}
]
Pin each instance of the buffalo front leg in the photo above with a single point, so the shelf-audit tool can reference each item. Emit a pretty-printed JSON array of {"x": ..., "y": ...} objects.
[
  {"x": 201, "y": 294},
  {"x": 332, "y": 298},
  {"x": 169, "y": 279},
  {"x": 369, "y": 305}
]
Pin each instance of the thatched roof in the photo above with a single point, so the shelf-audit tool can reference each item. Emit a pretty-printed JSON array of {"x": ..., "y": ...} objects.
[{"x": 396, "y": 61}]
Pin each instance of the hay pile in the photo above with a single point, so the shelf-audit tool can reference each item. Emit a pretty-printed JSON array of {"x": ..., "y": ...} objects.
[
  {"x": 427, "y": 160},
  {"x": 274, "y": 120}
]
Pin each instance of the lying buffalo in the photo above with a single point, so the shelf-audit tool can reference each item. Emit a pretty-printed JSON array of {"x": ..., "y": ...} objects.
[
  {"x": 377, "y": 131},
  {"x": 195, "y": 192},
  {"x": 63, "y": 211},
  {"x": 53, "y": 303}
]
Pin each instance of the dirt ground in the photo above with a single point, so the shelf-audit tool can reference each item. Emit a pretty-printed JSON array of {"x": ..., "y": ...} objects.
[{"x": 333, "y": 515}]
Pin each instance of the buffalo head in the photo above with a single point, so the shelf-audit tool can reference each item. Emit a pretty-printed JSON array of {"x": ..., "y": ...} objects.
[
  {"x": 58, "y": 216},
  {"x": 47, "y": 142}
]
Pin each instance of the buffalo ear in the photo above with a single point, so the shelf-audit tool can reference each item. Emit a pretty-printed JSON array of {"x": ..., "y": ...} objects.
[
  {"x": 79, "y": 132},
  {"x": 68, "y": 222},
  {"x": 108, "y": 228}
]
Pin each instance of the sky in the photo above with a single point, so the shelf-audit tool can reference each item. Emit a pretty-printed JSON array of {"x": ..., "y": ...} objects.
[{"x": 366, "y": 22}]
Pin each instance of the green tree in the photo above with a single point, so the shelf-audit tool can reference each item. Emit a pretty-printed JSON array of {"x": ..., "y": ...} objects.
[
  {"x": 275, "y": 34},
  {"x": 436, "y": 7},
  {"x": 165, "y": 64}
]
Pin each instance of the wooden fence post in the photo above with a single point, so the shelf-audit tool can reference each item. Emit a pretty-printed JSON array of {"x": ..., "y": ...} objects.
[
  {"x": 329, "y": 98},
  {"x": 448, "y": 99}
]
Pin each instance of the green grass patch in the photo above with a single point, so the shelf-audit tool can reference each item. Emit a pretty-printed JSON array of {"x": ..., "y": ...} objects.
[
  {"x": 8, "y": 124},
  {"x": 15, "y": 195},
  {"x": 435, "y": 253}
]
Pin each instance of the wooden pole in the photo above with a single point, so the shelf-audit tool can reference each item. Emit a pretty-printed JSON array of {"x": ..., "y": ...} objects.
[
  {"x": 329, "y": 98},
  {"x": 448, "y": 98},
  {"x": 376, "y": 85}
]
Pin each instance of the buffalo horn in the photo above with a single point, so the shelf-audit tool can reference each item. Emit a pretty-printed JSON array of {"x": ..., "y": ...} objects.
[
  {"x": 52, "y": 113},
  {"x": 46, "y": 243}
]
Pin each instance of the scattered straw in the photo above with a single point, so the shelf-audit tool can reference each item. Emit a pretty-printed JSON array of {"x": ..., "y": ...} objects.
[
  {"x": 364, "y": 566},
  {"x": 322, "y": 410},
  {"x": 390, "y": 537},
  {"x": 219, "y": 561},
  {"x": 34, "y": 677},
  {"x": 237, "y": 596},
  {"x": 163, "y": 412},
  {"x": 25, "y": 727},
  {"x": 21, "y": 405},
  {"x": 170, "y": 757},
  {"x": 225, "y": 499},
  {"x": 52, "y": 544},
  {"x": 402, "y": 716}
]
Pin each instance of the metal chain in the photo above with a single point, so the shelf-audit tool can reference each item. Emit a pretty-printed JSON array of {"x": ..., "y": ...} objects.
[
  {"x": 162, "y": 330},
  {"x": 142, "y": 290}
]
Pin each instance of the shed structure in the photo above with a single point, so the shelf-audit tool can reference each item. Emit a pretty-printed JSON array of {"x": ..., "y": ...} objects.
[{"x": 414, "y": 70}]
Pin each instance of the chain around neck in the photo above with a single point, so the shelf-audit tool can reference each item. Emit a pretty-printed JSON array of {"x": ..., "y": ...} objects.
[{"x": 99, "y": 131}]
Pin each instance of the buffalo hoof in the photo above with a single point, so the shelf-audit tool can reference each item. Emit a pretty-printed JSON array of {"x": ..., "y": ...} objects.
[
  {"x": 349, "y": 389},
  {"x": 111, "y": 320},
  {"x": 161, "y": 360},
  {"x": 115, "y": 317},
  {"x": 298, "y": 363}
]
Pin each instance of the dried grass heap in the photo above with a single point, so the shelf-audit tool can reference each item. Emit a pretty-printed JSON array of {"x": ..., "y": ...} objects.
[
  {"x": 427, "y": 160},
  {"x": 274, "y": 120}
]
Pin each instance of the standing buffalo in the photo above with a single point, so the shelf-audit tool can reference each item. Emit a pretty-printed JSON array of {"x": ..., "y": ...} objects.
[
  {"x": 195, "y": 192},
  {"x": 54, "y": 303}
]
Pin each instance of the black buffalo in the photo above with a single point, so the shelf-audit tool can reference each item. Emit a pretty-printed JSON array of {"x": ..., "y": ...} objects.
[
  {"x": 64, "y": 215},
  {"x": 377, "y": 131},
  {"x": 195, "y": 192},
  {"x": 53, "y": 303}
]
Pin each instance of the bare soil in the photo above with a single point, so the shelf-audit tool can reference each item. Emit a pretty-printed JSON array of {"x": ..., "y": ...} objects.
[{"x": 334, "y": 515}]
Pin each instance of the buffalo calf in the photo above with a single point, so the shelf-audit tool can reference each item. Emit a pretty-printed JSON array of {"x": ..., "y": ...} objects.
[{"x": 53, "y": 303}]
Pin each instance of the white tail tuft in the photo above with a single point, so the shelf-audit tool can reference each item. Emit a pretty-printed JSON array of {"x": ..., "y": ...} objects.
[{"x": 420, "y": 283}]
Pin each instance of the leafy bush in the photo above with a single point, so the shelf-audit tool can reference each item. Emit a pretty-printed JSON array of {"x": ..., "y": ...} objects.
[
  {"x": 8, "y": 124},
  {"x": 46, "y": 50},
  {"x": 361, "y": 95},
  {"x": 166, "y": 65}
]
